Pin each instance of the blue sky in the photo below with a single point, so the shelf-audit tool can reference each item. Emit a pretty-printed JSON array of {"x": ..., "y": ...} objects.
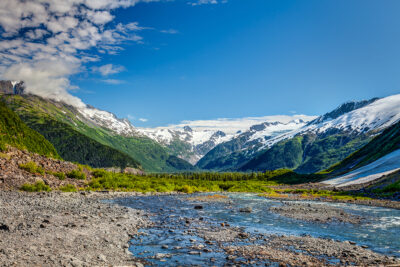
[{"x": 244, "y": 58}]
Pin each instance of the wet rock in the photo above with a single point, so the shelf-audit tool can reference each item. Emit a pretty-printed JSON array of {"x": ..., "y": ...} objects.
[
  {"x": 198, "y": 207},
  {"x": 246, "y": 209}
]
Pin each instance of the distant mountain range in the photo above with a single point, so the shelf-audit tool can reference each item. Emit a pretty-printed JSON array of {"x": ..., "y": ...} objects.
[
  {"x": 306, "y": 144},
  {"x": 193, "y": 142}
]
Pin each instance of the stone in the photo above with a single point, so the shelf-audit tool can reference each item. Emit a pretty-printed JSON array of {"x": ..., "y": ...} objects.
[{"x": 246, "y": 209}]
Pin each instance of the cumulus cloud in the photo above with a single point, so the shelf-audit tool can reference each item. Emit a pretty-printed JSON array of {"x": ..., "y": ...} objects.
[{"x": 44, "y": 42}]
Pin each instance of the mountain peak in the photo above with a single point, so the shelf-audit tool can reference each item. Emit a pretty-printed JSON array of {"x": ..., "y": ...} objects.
[{"x": 342, "y": 109}]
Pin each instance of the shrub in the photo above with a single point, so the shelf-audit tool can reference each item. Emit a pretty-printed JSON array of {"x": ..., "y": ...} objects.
[
  {"x": 32, "y": 167},
  {"x": 187, "y": 189},
  {"x": 98, "y": 173},
  {"x": 37, "y": 187},
  {"x": 60, "y": 175},
  {"x": 77, "y": 174},
  {"x": 68, "y": 188},
  {"x": 3, "y": 147}
]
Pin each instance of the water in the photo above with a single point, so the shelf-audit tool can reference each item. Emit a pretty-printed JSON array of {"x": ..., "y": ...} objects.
[{"x": 380, "y": 230}]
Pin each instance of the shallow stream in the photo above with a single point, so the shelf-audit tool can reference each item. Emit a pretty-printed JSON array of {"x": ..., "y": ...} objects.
[{"x": 169, "y": 242}]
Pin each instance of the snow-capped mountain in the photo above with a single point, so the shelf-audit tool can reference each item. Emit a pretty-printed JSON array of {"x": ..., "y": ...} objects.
[
  {"x": 368, "y": 116},
  {"x": 191, "y": 140},
  {"x": 313, "y": 146},
  {"x": 108, "y": 120}
]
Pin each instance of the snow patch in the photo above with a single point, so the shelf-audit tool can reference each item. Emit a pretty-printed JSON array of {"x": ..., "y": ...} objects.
[{"x": 383, "y": 166}]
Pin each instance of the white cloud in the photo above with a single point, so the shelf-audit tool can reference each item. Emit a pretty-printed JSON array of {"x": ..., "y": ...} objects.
[
  {"x": 207, "y": 2},
  {"x": 143, "y": 120},
  {"x": 108, "y": 69},
  {"x": 170, "y": 31},
  {"x": 113, "y": 81},
  {"x": 232, "y": 125},
  {"x": 58, "y": 38}
]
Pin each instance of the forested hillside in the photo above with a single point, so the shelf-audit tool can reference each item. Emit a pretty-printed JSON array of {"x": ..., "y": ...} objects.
[
  {"x": 37, "y": 112},
  {"x": 14, "y": 132}
]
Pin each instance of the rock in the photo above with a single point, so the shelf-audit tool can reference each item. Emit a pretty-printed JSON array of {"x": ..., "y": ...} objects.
[
  {"x": 4, "y": 227},
  {"x": 102, "y": 257},
  {"x": 164, "y": 247},
  {"x": 246, "y": 209},
  {"x": 198, "y": 207},
  {"x": 243, "y": 235}
]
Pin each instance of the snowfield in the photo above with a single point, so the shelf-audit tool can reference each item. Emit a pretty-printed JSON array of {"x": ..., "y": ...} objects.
[{"x": 383, "y": 166}]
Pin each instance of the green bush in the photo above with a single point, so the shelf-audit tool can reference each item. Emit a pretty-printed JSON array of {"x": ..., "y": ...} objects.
[
  {"x": 60, "y": 175},
  {"x": 76, "y": 174},
  {"x": 37, "y": 187},
  {"x": 3, "y": 147},
  {"x": 68, "y": 188},
  {"x": 32, "y": 167}
]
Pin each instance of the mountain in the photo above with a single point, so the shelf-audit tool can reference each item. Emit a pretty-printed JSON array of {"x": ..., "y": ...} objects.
[
  {"x": 377, "y": 164},
  {"x": 239, "y": 149},
  {"x": 96, "y": 127},
  {"x": 14, "y": 132},
  {"x": 382, "y": 145},
  {"x": 315, "y": 146},
  {"x": 328, "y": 139},
  {"x": 195, "y": 139}
]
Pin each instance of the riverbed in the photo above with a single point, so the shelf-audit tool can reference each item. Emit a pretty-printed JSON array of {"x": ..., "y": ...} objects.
[{"x": 246, "y": 229}]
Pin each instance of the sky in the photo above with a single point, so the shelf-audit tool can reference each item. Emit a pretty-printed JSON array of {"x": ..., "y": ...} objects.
[{"x": 163, "y": 62}]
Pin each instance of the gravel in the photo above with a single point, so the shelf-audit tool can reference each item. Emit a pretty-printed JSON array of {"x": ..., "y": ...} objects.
[
  {"x": 65, "y": 229},
  {"x": 315, "y": 212}
]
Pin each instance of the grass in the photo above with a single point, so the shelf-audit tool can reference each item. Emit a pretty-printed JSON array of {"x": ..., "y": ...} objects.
[
  {"x": 3, "y": 147},
  {"x": 32, "y": 167},
  {"x": 77, "y": 174},
  {"x": 68, "y": 188},
  {"x": 4, "y": 156},
  {"x": 37, "y": 187},
  {"x": 313, "y": 194},
  {"x": 59, "y": 175},
  {"x": 103, "y": 180}
]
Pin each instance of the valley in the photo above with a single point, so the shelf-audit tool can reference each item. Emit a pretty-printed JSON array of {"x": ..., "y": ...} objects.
[{"x": 294, "y": 190}]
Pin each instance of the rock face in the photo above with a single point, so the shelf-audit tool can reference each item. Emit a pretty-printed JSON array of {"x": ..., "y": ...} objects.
[
  {"x": 12, "y": 87},
  {"x": 6, "y": 87}
]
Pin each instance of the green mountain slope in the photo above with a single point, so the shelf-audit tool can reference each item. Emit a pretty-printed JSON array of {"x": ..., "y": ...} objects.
[
  {"x": 77, "y": 147},
  {"x": 307, "y": 153},
  {"x": 14, "y": 132},
  {"x": 35, "y": 110},
  {"x": 383, "y": 144}
]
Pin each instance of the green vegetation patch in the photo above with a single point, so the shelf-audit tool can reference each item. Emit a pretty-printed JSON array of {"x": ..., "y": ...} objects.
[
  {"x": 68, "y": 188},
  {"x": 14, "y": 132},
  {"x": 32, "y": 167},
  {"x": 76, "y": 174},
  {"x": 37, "y": 187}
]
